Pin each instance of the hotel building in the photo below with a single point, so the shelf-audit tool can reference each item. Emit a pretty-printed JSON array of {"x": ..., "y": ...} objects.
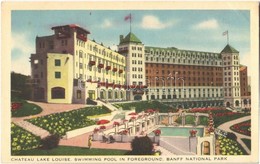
[{"x": 69, "y": 68}]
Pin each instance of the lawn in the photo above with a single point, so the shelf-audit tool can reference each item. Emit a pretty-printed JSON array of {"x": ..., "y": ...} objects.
[
  {"x": 144, "y": 105},
  {"x": 203, "y": 120},
  {"x": 25, "y": 109},
  {"x": 221, "y": 117},
  {"x": 247, "y": 142},
  {"x": 60, "y": 123},
  {"x": 68, "y": 150},
  {"x": 22, "y": 140}
]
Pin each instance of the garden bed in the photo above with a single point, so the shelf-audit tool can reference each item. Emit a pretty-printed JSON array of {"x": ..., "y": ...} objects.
[
  {"x": 230, "y": 147},
  {"x": 60, "y": 123},
  {"x": 23, "y": 108},
  {"x": 242, "y": 128},
  {"x": 22, "y": 140}
]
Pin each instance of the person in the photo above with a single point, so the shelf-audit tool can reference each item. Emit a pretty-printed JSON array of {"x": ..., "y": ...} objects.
[{"x": 90, "y": 141}]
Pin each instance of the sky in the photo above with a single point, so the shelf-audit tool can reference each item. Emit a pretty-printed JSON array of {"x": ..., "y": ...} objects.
[{"x": 199, "y": 30}]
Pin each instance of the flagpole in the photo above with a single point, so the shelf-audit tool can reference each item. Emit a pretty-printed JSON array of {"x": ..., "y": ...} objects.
[
  {"x": 227, "y": 38},
  {"x": 130, "y": 23}
]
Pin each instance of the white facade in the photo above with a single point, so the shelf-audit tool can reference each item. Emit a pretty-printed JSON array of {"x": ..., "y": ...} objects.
[{"x": 231, "y": 79}]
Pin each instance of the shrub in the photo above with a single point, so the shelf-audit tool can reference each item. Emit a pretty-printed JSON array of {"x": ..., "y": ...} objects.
[
  {"x": 50, "y": 142},
  {"x": 232, "y": 136},
  {"x": 141, "y": 146}
]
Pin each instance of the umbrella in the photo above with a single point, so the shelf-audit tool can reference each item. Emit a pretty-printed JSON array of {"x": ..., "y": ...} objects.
[
  {"x": 133, "y": 113},
  {"x": 116, "y": 123},
  {"x": 101, "y": 122},
  {"x": 149, "y": 111}
]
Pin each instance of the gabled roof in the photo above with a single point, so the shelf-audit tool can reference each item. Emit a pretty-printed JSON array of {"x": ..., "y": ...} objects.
[
  {"x": 229, "y": 49},
  {"x": 130, "y": 38}
]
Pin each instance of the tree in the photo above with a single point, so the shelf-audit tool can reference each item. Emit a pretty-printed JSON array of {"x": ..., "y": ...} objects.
[
  {"x": 19, "y": 87},
  {"x": 141, "y": 146}
]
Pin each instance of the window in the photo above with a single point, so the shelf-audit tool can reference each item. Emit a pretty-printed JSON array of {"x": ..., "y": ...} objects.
[
  {"x": 57, "y": 93},
  {"x": 57, "y": 62},
  {"x": 57, "y": 75},
  {"x": 78, "y": 94}
]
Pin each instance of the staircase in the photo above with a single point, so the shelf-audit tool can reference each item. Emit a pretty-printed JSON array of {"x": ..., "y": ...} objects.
[
  {"x": 108, "y": 105},
  {"x": 33, "y": 129}
]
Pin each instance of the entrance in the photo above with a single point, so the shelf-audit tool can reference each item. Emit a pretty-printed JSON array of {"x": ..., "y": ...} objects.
[
  {"x": 228, "y": 104},
  {"x": 91, "y": 94}
]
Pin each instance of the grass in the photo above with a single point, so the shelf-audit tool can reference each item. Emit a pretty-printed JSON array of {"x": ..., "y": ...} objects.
[
  {"x": 60, "y": 123},
  {"x": 247, "y": 142},
  {"x": 203, "y": 120},
  {"x": 26, "y": 109},
  {"x": 22, "y": 140},
  {"x": 69, "y": 150},
  {"x": 144, "y": 105},
  {"x": 220, "y": 120}
]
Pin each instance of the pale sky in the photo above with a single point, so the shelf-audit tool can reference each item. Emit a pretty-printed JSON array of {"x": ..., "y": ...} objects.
[{"x": 199, "y": 30}]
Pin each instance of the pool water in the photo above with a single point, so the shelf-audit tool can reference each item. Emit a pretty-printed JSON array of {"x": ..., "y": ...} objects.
[{"x": 179, "y": 131}]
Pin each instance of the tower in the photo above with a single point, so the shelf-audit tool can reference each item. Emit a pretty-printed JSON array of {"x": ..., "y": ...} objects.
[
  {"x": 231, "y": 80},
  {"x": 133, "y": 49}
]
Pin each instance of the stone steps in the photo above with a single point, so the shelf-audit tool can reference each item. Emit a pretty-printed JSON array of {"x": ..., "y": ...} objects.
[
  {"x": 33, "y": 129},
  {"x": 164, "y": 151}
]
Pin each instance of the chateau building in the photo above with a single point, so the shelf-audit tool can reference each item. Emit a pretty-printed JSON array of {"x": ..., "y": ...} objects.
[
  {"x": 69, "y": 68},
  {"x": 244, "y": 88},
  {"x": 191, "y": 78},
  {"x": 133, "y": 49}
]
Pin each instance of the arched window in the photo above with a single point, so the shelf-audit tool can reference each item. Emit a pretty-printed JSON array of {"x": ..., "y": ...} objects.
[{"x": 57, "y": 93}]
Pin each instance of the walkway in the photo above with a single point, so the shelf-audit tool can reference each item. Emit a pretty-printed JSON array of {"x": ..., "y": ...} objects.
[
  {"x": 226, "y": 127},
  {"x": 82, "y": 141},
  {"x": 79, "y": 141},
  {"x": 50, "y": 109},
  {"x": 33, "y": 129}
]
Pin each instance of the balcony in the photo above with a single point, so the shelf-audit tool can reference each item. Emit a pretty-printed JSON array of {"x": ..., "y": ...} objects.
[
  {"x": 114, "y": 69},
  {"x": 82, "y": 37},
  {"x": 89, "y": 80},
  {"x": 100, "y": 65},
  {"x": 120, "y": 71},
  {"x": 110, "y": 85},
  {"x": 91, "y": 63},
  {"x": 108, "y": 68},
  {"x": 117, "y": 86}
]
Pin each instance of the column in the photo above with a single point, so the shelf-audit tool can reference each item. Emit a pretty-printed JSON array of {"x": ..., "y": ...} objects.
[
  {"x": 116, "y": 129},
  {"x": 134, "y": 128}
]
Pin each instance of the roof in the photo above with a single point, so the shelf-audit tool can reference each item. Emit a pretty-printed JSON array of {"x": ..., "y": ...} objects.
[
  {"x": 72, "y": 26},
  {"x": 242, "y": 67},
  {"x": 229, "y": 49},
  {"x": 130, "y": 38},
  {"x": 174, "y": 49}
]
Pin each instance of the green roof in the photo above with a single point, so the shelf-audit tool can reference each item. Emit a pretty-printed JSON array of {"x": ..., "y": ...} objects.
[
  {"x": 229, "y": 49},
  {"x": 130, "y": 38}
]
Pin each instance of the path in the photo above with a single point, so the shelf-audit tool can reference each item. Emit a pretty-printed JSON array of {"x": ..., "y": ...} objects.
[
  {"x": 33, "y": 129},
  {"x": 48, "y": 108},
  {"x": 226, "y": 127},
  {"x": 79, "y": 141}
]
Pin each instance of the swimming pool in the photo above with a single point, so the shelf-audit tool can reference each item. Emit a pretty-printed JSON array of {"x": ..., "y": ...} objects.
[{"x": 179, "y": 131}]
